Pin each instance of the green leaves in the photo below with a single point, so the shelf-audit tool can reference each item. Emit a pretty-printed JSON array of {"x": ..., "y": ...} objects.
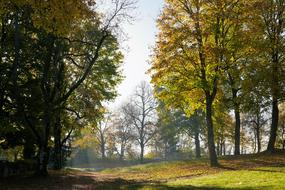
[{"x": 188, "y": 55}]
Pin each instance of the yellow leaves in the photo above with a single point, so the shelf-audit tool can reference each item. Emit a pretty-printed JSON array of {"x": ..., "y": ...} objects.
[
  {"x": 87, "y": 139},
  {"x": 59, "y": 16},
  {"x": 193, "y": 43},
  {"x": 55, "y": 16}
]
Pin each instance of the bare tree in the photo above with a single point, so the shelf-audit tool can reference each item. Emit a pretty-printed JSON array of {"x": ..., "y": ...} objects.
[
  {"x": 123, "y": 132},
  {"x": 141, "y": 110},
  {"x": 101, "y": 131}
]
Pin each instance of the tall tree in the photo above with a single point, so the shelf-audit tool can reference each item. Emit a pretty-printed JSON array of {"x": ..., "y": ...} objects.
[
  {"x": 61, "y": 59},
  {"x": 267, "y": 27},
  {"x": 190, "y": 55}
]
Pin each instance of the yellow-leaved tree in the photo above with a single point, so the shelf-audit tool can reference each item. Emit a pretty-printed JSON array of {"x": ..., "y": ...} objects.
[
  {"x": 57, "y": 17},
  {"x": 190, "y": 56}
]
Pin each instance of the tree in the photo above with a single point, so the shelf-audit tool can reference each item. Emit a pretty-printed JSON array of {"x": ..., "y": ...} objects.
[
  {"x": 224, "y": 131},
  {"x": 235, "y": 66},
  {"x": 267, "y": 29},
  {"x": 168, "y": 128},
  {"x": 193, "y": 126},
  {"x": 59, "y": 61},
  {"x": 141, "y": 110},
  {"x": 281, "y": 132},
  {"x": 189, "y": 56},
  {"x": 102, "y": 133},
  {"x": 255, "y": 108},
  {"x": 122, "y": 130}
]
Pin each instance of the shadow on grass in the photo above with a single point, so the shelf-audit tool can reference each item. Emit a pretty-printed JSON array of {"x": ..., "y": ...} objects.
[
  {"x": 184, "y": 187},
  {"x": 89, "y": 181},
  {"x": 272, "y": 170},
  {"x": 55, "y": 181}
]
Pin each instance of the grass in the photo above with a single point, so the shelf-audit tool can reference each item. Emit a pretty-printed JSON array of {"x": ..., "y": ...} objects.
[
  {"x": 242, "y": 173},
  {"x": 163, "y": 171},
  {"x": 271, "y": 178}
]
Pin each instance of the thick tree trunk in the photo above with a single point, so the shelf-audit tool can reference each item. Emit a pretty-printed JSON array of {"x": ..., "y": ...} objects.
[
  {"x": 274, "y": 126},
  {"x": 254, "y": 142},
  {"x": 43, "y": 161},
  {"x": 142, "y": 154},
  {"x": 122, "y": 152},
  {"x": 197, "y": 144},
  {"x": 165, "y": 151},
  {"x": 29, "y": 149},
  {"x": 58, "y": 160},
  {"x": 210, "y": 130},
  {"x": 275, "y": 93},
  {"x": 43, "y": 155},
  {"x": 122, "y": 155},
  {"x": 102, "y": 145}
]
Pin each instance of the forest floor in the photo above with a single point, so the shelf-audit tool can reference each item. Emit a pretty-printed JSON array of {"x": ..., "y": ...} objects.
[{"x": 244, "y": 172}]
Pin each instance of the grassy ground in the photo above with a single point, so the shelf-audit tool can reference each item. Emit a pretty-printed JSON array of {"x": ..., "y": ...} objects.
[{"x": 244, "y": 172}]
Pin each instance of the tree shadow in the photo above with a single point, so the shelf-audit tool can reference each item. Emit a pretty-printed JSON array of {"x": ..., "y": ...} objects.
[
  {"x": 90, "y": 181},
  {"x": 268, "y": 170},
  {"x": 185, "y": 187}
]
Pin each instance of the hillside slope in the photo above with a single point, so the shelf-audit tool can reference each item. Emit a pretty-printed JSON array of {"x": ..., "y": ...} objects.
[
  {"x": 243, "y": 172},
  {"x": 261, "y": 171}
]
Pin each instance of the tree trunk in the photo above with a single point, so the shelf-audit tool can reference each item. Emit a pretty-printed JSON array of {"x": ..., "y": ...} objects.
[
  {"x": 122, "y": 152},
  {"x": 283, "y": 133},
  {"x": 224, "y": 148},
  {"x": 210, "y": 130},
  {"x": 43, "y": 147},
  {"x": 274, "y": 126},
  {"x": 237, "y": 130},
  {"x": 218, "y": 148},
  {"x": 142, "y": 154},
  {"x": 29, "y": 149},
  {"x": 221, "y": 148},
  {"x": 103, "y": 155},
  {"x": 255, "y": 142},
  {"x": 58, "y": 160},
  {"x": 275, "y": 93},
  {"x": 43, "y": 161},
  {"x": 258, "y": 139},
  {"x": 165, "y": 151},
  {"x": 29, "y": 145},
  {"x": 197, "y": 143}
]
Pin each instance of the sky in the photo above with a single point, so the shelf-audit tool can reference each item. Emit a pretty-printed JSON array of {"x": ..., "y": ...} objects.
[{"x": 141, "y": 37}]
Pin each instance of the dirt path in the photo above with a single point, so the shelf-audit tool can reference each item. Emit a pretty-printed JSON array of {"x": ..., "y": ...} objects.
[{"x": 67, "y": 180}]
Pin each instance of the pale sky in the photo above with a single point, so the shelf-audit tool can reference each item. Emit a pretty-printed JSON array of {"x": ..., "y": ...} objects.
[{"x": 141, "y": 37}]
